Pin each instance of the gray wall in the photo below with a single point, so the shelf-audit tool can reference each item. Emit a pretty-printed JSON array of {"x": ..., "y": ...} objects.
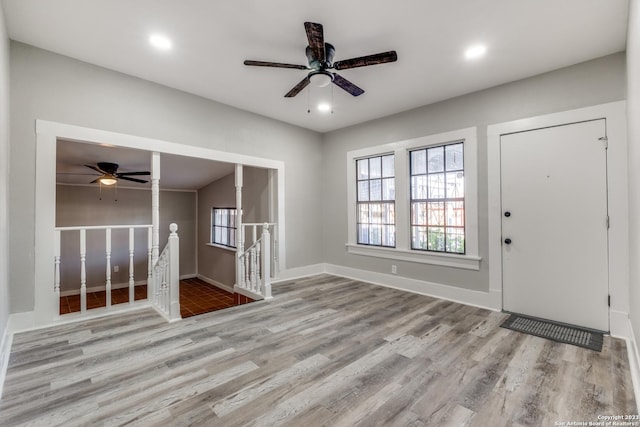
[
  {"x": 218, "y": 263},
  {"x": 633, "y": 123},
  {"x": 4, "y": 174},
  {"x": 52, "y": 87},
  {"x": 81, "y": 205},
  {"x": 594, "y": 82}
]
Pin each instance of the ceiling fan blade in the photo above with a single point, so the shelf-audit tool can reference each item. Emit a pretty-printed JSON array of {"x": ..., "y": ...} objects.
[
  {"x": 97, "y": 169},
  {"x": 363, "y": 61},
  {"x": 297, "y": 88},
  {"x": 133, "y": 179},
  {"x": 275, "y": 64},
  {"x": 345, "y": 84},
  {"x": 315, "y": 35},
  {"x": 119, "y": 174}
]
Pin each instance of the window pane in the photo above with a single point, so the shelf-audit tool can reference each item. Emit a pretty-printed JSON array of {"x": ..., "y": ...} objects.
[
  {"x": 232, "y": 237},
  {"x": 455, "y": 214},
  {"x": 419, "y": 213},
  {"x": 419, "y": 187},
  {"x": 363, "y": 168},
  {"x": 436, "y": 213},
  {"x": 217, "y": 214},
  {"x": 375, "y": 210},
  {"x": 388, "y": 235},
  {"x": 389, "y": 215},
  {"x": 232, "y": 217},
  {"x": 455, "y": 185},
  {"x": 387, "y": 166},
  {"x": 363, "y": 191},
  {"x": 418, "y": 162},
  {"x": 436, "y": 186},
  {"x": 388, "y": 189},
  {"x": 454, "y": 157},
  {"x": 435, "y": 158},
  {"x": 363, "y": 234},
  {"x": 375, "y": 167},
  {"x": 419, "y": 237},
  {"x": 216, "y": 235},
  {"x": 376, "y": 189},
  {"x": 363, "y": 213},
  {"x": 375, "y": 235},
  {"x": 436, "y": 239},
  {"x": 455, "y": 240}
]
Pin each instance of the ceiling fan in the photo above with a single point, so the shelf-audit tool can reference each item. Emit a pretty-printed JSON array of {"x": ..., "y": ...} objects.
[
  {"x": 110, "y": 174},
  {"x": 320, "y": 57}
]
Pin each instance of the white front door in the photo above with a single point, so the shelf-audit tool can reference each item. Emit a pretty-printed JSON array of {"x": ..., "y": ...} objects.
[{"x": 555, "y": 225}]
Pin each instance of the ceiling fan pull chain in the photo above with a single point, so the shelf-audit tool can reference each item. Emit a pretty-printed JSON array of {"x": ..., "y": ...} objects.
[
  {"x": 100, "y": 189},
  {"x": 308, "y": 100},
  {"x": 331, "y": 99}
]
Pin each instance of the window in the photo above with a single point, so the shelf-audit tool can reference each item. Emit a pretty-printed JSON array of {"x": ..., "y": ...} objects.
[
  {"x": 376, "y": 201},
  {"x": 437, "y": 198},
  {"x": 223, "y": 227},
  {"x": 427, "y": 211}
]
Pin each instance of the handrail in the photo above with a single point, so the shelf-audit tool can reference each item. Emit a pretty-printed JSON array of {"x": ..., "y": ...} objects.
[
  {"x": 101, "y": 227},
  {"x": 254, "y": 272},
  {"x": 166, "y": 278}
]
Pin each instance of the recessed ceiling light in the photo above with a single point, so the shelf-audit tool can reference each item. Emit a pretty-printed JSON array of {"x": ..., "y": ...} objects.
[
  {"x": 475, "y": 52},
  {"x": 324, "y": 107},
  {"x": 160, "y": 42}
]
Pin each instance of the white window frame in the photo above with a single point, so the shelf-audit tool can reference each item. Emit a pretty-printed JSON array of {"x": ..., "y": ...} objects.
[
  {"x": 213, "y": 225},
  {"x": 403, "y": 252}
]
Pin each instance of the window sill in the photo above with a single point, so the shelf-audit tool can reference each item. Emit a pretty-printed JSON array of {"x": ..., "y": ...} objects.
[
  {"x": 468, "y": 262},
  {"x": 230, "y": 249}
]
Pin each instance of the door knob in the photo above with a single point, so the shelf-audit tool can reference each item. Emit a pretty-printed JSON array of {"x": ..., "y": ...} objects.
[
  {"x": 507, "y": 241},
  {"x": 507, "y": 214}
]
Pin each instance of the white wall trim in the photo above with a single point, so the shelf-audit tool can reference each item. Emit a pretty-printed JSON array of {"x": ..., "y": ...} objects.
[
  {"x": 5, "y": 352},
  {"x": 466, "y": 262},
  {"x": 215, "y": 283},
  {"x": 299, "y": 272},
  {"x": 634, "y": 364},
  {"x": 45, "y": 305},
  {"x": 487, "y": 300},
  {"x": 615, "y": 115}
]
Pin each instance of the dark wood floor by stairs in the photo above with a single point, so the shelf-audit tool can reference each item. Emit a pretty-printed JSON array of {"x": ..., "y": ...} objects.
[{"x": 326, "y": 351}]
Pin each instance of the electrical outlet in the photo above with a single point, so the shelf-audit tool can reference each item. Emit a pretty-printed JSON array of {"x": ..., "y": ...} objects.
[
  {"x": 116, "y": 268},
  {"x": 394, "y": 269}
]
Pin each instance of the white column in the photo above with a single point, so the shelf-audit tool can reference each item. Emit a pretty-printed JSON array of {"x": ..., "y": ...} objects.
[
  {"x": 107, "y": 239},
  {"x": 155, "y": 206},
  {"x": 239, "y": 227},
  {"x": 56, "y": 279},
  {"x": 83, "y": 270},
  {"x": 131, "y": 252},
  {"x": 149, "y": 264}
]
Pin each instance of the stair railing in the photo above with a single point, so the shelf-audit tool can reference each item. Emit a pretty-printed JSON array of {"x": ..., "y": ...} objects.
[{"x": 255, "y": 265}]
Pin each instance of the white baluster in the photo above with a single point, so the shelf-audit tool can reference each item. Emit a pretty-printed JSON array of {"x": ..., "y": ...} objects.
[
  {"x": 254, "y": 233},
  {"x": 253, "y": 268},
  {"x": 83, "y": 270},
  {"x": 131, "y": 282},
  {"x": 247, "y": 269},
  {"x": 174, "y": 273},
  {"x": 107, "y": 239},
  {"x": 258, "y": 262},
  {"x": 56, "y": 261}
]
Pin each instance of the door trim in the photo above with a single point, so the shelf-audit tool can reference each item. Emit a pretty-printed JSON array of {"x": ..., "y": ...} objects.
[{"x": 617, "y": 185}]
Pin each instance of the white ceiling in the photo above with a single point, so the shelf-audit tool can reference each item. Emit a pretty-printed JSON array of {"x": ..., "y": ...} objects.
[
  {"x": 212, "y": 38},
  {"x": 176, "y": 172}
]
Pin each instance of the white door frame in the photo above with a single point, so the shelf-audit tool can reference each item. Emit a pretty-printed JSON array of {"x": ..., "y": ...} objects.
[
  {"x": 45, "y": 305},
  {"x": 617, "y": 186}
]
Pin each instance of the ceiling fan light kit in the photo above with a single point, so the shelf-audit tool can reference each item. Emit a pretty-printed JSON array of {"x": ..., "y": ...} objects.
[
  {"x": 320, "y": 57},
  {"x": 110, "y": 174}
]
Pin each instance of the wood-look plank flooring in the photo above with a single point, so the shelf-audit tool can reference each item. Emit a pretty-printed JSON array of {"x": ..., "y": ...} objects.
[{"x": 327, "y": 351}]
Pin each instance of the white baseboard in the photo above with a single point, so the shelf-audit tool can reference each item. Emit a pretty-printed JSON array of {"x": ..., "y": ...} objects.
[
  {"x": 5, "y": 351},
  {"x": 619, "y": 325},
  {"x": 247, "y": 293},
  {"x": 102, "y": 288},
  {"x": 490, "y": 300},
  {"x": 215, "y": 283},
  {"x": 298, "y": 272},
  {"x": 188, "y": 276},
  {"x": 634, "y": 364}
]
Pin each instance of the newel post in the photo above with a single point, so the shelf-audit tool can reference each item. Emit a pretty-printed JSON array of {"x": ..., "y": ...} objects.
[
  {"x": 266, "y": 262},
  {"x": 174, "y": 273}
]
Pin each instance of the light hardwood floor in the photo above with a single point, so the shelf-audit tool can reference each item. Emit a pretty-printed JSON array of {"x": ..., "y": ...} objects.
[{"x": 327, "y": 351}]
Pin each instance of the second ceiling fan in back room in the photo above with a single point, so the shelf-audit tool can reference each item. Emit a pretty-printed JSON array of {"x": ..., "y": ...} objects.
[{"x": 320, "y": 57}]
